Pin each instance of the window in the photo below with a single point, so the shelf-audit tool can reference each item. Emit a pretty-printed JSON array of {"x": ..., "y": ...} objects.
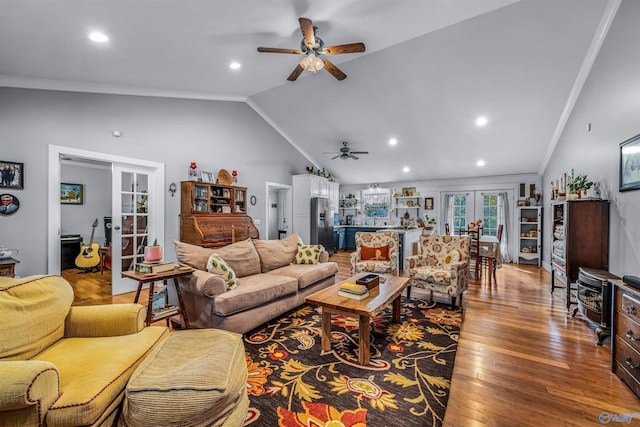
[
  {"x": 459, "y": 212},
  {"x": 490, "y": 214}
]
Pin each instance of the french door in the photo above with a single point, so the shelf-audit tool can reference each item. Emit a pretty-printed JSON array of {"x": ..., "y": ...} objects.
[
  {"x": 137, "y": 220},
  {"x": 473, "y": 206}
]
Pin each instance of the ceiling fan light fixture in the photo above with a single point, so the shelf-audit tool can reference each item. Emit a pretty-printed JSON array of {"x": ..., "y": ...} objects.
[{"x": 312, "y": 63}]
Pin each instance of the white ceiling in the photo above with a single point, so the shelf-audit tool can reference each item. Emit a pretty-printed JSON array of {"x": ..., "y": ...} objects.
[{"x": 430, "y": 68}]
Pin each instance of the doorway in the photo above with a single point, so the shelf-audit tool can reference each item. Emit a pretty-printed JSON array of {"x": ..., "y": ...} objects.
[
  {"x": 278, "y": 210},
  {"x": 132, "y": 179}
]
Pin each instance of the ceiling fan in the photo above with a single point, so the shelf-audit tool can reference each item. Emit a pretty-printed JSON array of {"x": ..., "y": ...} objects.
[
  {"x": 312, "y": 47},
  {"x": 345, "y": 152}
]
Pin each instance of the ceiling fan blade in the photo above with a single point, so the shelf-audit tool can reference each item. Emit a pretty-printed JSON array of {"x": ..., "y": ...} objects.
[
  {"x": 353, "y": 157},
  {"x": 359, "y": 152},
  {"x": 295, "y": 73},
  {"x": 335, "y": 71},
  {"x": 279, "y": 50},
  {"x": 307, "y": 31},
  {"x": 344, "y": 48},
  {"x": 336, "y": 156}
]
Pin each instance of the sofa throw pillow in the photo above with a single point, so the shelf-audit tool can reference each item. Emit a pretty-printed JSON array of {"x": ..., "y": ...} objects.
[
  {"x": 451, "y": 257},
  {"x": 380, "y": 253},
  {"x": 308, "y": 254},
  {"x": 216, "y": 265},
  {"x": 192, "y": 255},
  {"x": 242, "y": 257},
  {"x": 276, "y": 253}
]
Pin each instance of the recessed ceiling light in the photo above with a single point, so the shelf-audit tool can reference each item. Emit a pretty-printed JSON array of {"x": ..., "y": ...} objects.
[
  {"x": 235, "y": 65},
  {"x": 480, "y": 163},
  {"x": 98, "y": 37},
  {"x": 393, "y": 141},
  {"x": 481, "y": 121},
  {"x": 405, "y": 169}
]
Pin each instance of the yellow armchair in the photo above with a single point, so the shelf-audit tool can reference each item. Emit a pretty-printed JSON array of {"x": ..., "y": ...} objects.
[{"x": 63, "y": 365}]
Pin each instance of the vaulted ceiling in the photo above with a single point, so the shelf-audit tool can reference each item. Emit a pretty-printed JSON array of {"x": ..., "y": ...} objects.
[{"x": 430, "y": 69}]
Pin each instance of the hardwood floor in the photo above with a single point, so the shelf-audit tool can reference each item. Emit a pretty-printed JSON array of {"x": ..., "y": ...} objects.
[{"x": 522, "y": 359}]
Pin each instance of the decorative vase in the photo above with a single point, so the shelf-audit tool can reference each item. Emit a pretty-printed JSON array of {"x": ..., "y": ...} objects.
[{"x": 152, "y": 253}]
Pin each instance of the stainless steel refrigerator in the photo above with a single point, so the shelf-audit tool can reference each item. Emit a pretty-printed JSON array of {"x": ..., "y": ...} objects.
[{"x": 321, "y": 224}]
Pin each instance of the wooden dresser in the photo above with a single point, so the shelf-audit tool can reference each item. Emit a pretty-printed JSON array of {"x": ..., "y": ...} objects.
[{"x": 625, "y": 342}]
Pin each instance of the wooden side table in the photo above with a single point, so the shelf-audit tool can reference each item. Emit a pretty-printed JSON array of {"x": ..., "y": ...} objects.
[
  {"x": 168, "y": 311},
  {"x": 7, "y": 267}
]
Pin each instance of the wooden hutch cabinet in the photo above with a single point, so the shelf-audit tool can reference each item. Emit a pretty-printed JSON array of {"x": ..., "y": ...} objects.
[
  {"x": 213, "y": 215},
  {"x": 579, "y": 238}
]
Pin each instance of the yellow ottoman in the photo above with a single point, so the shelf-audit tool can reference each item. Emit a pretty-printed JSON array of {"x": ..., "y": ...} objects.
[{"x": 197, "y": 378}]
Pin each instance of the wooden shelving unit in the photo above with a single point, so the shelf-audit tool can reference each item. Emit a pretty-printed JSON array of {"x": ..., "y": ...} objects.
[{"x": 207, "y": 198}]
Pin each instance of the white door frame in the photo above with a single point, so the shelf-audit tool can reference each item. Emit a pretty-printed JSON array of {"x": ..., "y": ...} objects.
[
  {"x": 288, "y": 209},
  {"x": 53, "y": 193}
]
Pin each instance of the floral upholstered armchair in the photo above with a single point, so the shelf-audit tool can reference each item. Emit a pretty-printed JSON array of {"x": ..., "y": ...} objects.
[
  {"x": 442, "y": 266},
  {"x": 375, "y": 253}
]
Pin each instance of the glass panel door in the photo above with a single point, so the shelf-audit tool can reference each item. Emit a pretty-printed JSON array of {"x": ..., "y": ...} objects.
[
  {"x": 134, "y": 225},
  {"x": 462, "y": 212}
]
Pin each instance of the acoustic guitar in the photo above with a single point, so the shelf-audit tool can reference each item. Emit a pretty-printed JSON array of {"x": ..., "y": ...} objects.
[{"x": 89, "y": 255}]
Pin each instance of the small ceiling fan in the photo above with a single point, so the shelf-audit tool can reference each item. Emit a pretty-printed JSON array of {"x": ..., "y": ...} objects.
[
  {"x": 345, "y": 152},
  {"x": 312, "y": 47}
]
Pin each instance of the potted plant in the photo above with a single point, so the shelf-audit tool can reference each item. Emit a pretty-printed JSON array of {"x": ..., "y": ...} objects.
[
  {"x": 153, "y": 253},
  {"x": 429, "y": 223},
  {"x": 579, "y": 184}
]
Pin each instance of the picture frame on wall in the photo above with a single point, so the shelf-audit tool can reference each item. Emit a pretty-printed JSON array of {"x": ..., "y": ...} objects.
[
  {"x": 409, "y": 192},
  {"x": 428, "y": 203},
  {"x": 9, "y": 204},
  {"x": 71, "y": 194},
  {"x": 11, "y": 175},
  {"x": 630, "y": 164}
]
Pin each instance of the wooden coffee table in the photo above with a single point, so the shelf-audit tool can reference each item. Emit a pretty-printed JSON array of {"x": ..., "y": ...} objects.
[{"x": 331, "y": 303}]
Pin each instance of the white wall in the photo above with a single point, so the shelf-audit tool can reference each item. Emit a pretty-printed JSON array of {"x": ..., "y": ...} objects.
[
  {"x": 214, "y": 134},
  {"x": 77, "y": 219},
  {"x": 610, "y": 101}
]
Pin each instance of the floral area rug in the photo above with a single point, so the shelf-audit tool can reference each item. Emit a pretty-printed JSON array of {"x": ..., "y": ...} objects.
[{"x": 293, "y": 384}]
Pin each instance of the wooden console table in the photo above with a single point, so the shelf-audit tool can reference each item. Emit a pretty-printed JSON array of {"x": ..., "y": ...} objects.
[{"x": 142, "y": 278}]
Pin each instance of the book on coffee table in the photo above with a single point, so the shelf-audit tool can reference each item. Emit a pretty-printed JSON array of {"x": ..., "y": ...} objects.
[
  {"x": 358, "y": 297},
  {"x": 353, "y": 288}
]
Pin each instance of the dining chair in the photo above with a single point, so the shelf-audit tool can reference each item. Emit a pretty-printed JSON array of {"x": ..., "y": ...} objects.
[
  {"x": 474, "y": 248},
  {"x": 484, "y": 262}
]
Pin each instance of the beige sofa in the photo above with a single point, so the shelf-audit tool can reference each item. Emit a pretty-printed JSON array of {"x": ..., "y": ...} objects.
[{"x": 268, "y": 283}]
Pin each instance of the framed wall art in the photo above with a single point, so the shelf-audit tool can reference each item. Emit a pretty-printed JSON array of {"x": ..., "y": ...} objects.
[
  {"x": 428, "y": 203},
  {"x": 71, "y": 194},
  {"x": 11, "y": 175},
  {"x": 630, "y": 164},
  {"x": 9, "y": 204},
  {"x": 409, "y": 192}
]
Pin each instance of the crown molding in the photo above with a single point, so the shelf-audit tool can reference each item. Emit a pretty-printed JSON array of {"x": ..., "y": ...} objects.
[{"x": 71, "y": 86}]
